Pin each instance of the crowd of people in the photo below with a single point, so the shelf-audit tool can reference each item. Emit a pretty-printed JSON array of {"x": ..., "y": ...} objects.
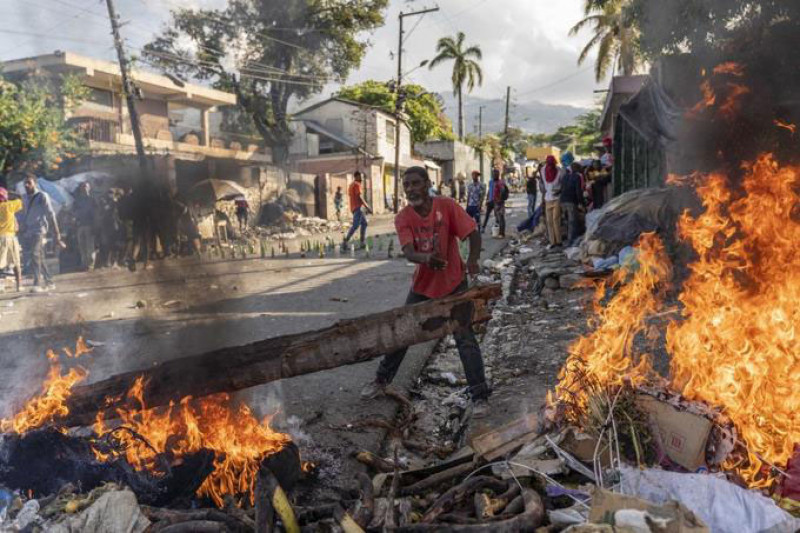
[
  {"x": 111, "y": 230},
  {"x": 569, "y": 191}
]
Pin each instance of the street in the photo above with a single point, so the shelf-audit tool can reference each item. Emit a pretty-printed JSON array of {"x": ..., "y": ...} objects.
[{"x": 180, "y": 309}]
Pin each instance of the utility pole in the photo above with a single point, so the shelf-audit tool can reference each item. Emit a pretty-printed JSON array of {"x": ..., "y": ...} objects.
[
  {"x": 508, "y": 110},
  {"x": 127, "y": 89},
  {"x": 398, "y": 107},
  {"x": 480, "y": 137}
]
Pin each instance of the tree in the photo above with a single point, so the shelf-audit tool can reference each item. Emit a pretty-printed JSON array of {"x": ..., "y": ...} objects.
[
  {"x": 425, "y": 116},
  {"x": 466, "y": 69},
  {"x": 34, "y": 133},
  {"x": 715, "y": 25},
  {"x": 580, "y": 137},
  {"x": 615, "y": 36},
  {"x": 268, "y": 52}
]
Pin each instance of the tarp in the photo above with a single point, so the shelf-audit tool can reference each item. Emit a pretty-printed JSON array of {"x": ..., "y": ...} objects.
[{"x": 620, "y": 222}]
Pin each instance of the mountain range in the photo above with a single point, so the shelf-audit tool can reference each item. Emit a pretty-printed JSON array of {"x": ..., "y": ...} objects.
[{"x": 531, "y": 116}]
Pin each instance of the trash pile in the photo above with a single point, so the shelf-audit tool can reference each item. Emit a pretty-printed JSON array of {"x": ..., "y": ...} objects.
[
  {"x": 293, "y": 225},
  {"x": 640, "y": 457}
]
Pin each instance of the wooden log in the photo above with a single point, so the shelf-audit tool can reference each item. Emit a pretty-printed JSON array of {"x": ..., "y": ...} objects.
[{"x": 240, "y": 367}]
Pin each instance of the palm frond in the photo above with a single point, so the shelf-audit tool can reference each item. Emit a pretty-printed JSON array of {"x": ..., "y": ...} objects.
[
  {"x": 583, "y": 22},
  {"x": 473, "y": 51},
  {"x": 588, "y": 48},
  {"x": 605, "y": 56}
]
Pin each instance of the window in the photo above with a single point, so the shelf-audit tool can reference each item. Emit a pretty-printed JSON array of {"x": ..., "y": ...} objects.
[
  {"x": 100, "y": 97},
  {"x": 390, "y": 132},
  {"x": 336, "y": 125}
]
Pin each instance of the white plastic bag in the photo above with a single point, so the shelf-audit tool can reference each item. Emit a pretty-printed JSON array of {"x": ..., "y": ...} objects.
[{"x": 723, "y": 506}]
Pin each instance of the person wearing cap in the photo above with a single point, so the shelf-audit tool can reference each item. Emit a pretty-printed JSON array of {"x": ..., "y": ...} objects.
[{"x": 9, "y": 246}]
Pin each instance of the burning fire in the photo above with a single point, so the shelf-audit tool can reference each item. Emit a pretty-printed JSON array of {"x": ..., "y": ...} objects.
[
  {"x": 237, "y": 438},
  {"x": 724, "y": 94},
  {"x": 51, "y": 403},
  {"x": 606, "y": 356},
  {"x": 239, "y": 441},
  {"x": 737, "y": 344}
]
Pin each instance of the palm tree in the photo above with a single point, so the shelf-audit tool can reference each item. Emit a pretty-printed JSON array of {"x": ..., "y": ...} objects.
[
  {"x": 466, "y": 69},
  {"x": 615, "y": 37}
]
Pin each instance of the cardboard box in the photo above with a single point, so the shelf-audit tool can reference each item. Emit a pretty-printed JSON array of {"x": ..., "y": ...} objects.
[
  {"x": 683, "y": 435},
  {"x": 606, "y": 504}
]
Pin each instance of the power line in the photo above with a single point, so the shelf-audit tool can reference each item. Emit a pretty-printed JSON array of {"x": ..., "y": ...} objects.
[{"x": 557, "y": 82}]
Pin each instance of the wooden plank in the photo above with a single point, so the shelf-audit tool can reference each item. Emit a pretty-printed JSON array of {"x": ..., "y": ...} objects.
[
  {"x": 236, "y": 368},
  {"x": 500, "y": 438}
]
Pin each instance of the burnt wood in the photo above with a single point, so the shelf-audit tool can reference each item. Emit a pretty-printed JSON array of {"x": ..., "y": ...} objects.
[{"x": 240, "y": 367}]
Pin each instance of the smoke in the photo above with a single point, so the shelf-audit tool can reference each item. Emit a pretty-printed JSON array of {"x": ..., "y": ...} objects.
[{"x": 744, "y": 52}]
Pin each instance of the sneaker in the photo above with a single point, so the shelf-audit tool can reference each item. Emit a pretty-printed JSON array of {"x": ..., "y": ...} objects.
[
  {"x": 480, "y": 408},
  {"x": 37, "y": 289},
  {"x": 50, "y": 286}
]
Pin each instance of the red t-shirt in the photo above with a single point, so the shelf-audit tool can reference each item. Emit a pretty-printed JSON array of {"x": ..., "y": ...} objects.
[
  {"x": 354, "y": 192},
  {"x": 445, "y": 225}
]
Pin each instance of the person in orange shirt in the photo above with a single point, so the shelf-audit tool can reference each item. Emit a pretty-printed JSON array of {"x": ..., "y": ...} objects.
[
  {"x": 9, "y": 246},
  {"x": 429, "y": 230},
  {"x": 359, "y": 207}
]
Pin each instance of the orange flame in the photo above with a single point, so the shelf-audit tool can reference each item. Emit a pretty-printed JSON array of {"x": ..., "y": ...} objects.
[
  {"x": 51, "y": 403},
  {"x": 731, "y": 68},
  {"x": 237, "y": 438},
  {"x": 737, "y": 344},
  {"x": 606, "y": 355}
]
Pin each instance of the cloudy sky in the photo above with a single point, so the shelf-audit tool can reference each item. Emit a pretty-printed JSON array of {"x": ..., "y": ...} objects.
[{"x": 525, "y": 42}]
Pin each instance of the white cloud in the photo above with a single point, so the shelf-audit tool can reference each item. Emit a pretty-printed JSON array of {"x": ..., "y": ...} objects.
[{"x": 525, "y": 42}]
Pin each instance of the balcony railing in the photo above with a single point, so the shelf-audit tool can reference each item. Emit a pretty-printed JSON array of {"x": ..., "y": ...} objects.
[{"x": 96, "y": 129}]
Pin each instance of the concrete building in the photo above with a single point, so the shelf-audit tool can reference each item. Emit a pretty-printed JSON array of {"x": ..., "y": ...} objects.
[
  {"x": 454, "y": 158},
  {"x": 179, "y": 122},
  {"x": 336, "y": 137}
]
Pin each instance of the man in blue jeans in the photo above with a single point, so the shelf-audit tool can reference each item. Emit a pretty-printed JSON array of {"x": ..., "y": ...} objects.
[
  {"x": 359, "y": 208},
  {"x": 475, "y": 193},
  {"x": 36, "y": 220}
]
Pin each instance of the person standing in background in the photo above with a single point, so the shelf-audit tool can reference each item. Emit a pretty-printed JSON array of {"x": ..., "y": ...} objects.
[
  {"x": 462, "y": 187},
  {"x": 359, "y": 207},
  {"x": 501, "y": 193},
  {"x": 489, "y": 199},
  {"x": 85, "y": 211},
  {"x": 36, "y": 220},
  {"x": 475, "y": 194},
  {"x": 571, "y": 199},
  {"x": 9, "y": 246},
  {"x": 242, "y": 210},
  {"x": 552, "y": 191},
  {"x": 338, "y": 203},
  {"x": 530, "y": 190}
]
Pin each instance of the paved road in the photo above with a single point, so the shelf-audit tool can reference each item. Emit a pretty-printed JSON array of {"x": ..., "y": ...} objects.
[{"x": 193, "y": 307}]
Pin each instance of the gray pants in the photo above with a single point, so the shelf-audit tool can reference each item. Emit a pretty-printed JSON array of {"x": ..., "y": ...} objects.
[
  {"x": 33, "y": 251},
  {"x": 468, "y": 349},
  {"x": 572, "y": 221}
]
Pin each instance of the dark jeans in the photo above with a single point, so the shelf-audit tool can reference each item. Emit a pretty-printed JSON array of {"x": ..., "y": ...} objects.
[
  {"x": 468, "y": 349},
  {"x": 33, "y": 250},
  {"x": 500, "y": 217},
  {"x": 475, "y": 212},
  {"x": 531, "y": 204},
  {"x": 572, "y": 221},
  {"x": 359, "y": 220},
  {"x": 489, "y": 209}
]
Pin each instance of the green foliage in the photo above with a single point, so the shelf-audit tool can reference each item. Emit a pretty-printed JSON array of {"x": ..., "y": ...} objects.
[
  {"x": 424, "y": 110},
  {"x": 708, "y": 26},
  {"x": 615, "y": 37},
  {"x": 34, "y": 134},
  {"x": 466, "y": 68},
  {"x": 268, "y": 52},
  {"x": 580, "y": 137}
]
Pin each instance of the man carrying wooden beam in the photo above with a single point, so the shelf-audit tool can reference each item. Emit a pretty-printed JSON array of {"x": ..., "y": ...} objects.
[{"x": 429, "y": 230}]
